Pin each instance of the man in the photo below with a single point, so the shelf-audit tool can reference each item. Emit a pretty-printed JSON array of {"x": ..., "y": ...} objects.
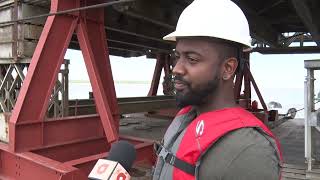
[{"x": 211, "y": 137}]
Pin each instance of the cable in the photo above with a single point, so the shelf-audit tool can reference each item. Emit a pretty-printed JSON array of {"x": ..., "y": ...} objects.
[
  {"x": 286, "y": 115},
  {"x": 67, "y": 11},
  {"x": 303, "y": 108}
]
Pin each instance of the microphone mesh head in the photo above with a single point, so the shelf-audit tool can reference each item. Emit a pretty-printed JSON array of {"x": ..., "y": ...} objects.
[{"x": 122, "y": 152}]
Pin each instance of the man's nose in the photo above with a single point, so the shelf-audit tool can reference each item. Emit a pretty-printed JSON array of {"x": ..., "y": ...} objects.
[{"x": 179, "y": 68}]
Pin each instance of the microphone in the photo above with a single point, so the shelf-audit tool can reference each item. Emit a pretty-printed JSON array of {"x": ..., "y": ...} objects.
[{"x": 116, "y": 166}]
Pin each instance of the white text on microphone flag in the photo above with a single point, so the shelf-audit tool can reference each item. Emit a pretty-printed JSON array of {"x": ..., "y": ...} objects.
[{"x": 108, "y": 170}]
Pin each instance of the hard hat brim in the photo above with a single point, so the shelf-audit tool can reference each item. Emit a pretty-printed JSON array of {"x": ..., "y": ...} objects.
[
  {"x": 170, "y": 37},
  {"x": 173, "y": 37}
]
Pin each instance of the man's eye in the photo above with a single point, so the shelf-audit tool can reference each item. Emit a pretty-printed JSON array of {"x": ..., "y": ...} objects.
[{"x": 192, "y": 59}]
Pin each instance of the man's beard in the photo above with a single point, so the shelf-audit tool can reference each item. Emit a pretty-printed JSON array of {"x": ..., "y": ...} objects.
[{"x": 195, "y": 96}]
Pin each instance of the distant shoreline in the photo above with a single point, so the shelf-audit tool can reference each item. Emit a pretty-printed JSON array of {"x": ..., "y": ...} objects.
[{"x": 117, "y": 82}]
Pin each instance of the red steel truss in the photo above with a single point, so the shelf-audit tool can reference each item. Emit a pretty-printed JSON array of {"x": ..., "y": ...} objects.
[{"x": 66, "y": 148}]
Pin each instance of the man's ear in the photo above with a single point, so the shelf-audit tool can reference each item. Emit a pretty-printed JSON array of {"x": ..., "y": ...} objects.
[{"x": 229, "y": 68}]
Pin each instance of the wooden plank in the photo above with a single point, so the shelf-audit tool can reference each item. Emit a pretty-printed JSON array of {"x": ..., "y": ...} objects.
[
  {"x": 32, "y": 31},
  {"x": 25, "y": 60},
  {"x": 39, "y": 2},
  {"x": 6, "y": 13},
  {"x": 291, "y": 171},
  {"x": 295, "y": 171},
  {"x": 24, "y": 10},
  {"x": 294, "y": 166},
  {"x": 25, "y": 31},
  {"x": 313, "y": 174},
  {"x": 29, "y": 10},
  {"x": 25, "y": 49},
  {"x": 5, "y": 2},
  {"x": 293, "y": 176}
]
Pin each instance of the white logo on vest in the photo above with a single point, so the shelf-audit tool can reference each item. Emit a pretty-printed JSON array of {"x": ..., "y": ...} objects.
[{"x": 200, "y": 128}]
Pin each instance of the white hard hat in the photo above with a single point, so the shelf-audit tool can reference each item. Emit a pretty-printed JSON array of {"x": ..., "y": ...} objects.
[{"x": 213, "y": 18}]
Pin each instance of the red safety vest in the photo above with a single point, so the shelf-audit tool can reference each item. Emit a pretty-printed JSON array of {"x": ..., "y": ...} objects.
[{"x": 207, "y": 128}]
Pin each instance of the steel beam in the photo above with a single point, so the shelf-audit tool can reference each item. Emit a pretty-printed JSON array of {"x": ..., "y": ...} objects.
[
  {"x": 126, "y": 105},
  {"x": 44, "y": 163},
  {"x": 139, "y": 35},
  {"x": 56, "y": 35},
  {"x": 124, "y": 52},
  {"x": 155, "y": 12},
  {"x": 312, "y": 64},
  {"x": 143, "y": 150},
  {"x": 288, "y": 50},
  {"x": 263, "y": 31},
  {"x": 260, "y": 28},
  {"x": 272, "y": 5},
  {"x": 116, "y": 49},
  {"x": 116, "y": 21},
  {"x": 74, "y": 150},
  {"x": 28, "y": 165},
  {"x": 123, "y": 37},
  {"x": 309, "y": 18},
  {"x": 140, "y": 46},
  {"x": 255, "y": 86},
  {"x": 91, "y": 36},
  {"x": 148, "y": 98},
  {"x": 123, "y": 100},
  {"x": 309, "y": 108},
  {"x": 237, "y": 86},
  {"x": 126, "y": 42},
  {"x": 156, "y": 75},
  {"x": 145, "y": 106},
  {"x": 45, "y": 61},
  {"x": 37, "y": 145},
  {"x": 48, "y": 133},
  {"x": 247, "y": 84},
  {"x": 147, "y": 19},
  {"x": 168, "y": 85}
]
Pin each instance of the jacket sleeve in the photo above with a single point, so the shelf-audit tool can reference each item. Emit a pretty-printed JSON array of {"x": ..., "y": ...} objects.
[{"x": 244, "y": 154}]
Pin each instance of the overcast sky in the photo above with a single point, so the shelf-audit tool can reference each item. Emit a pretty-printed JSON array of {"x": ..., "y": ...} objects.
[
  {"x": 280, "y": 78},
  {"x": 123, "y": 69},
  {"x": 269, "y": 71}
]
